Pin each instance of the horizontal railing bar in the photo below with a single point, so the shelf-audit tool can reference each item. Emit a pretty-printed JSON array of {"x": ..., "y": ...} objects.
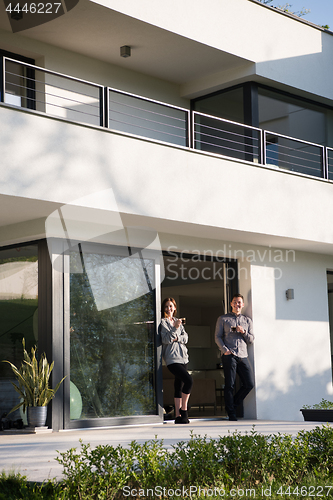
[
  {"x": 52, "y": 95},
  {"x": 227, "y": 140},
  {"x": 147, "y": 99},
  {"x": 229, "y": 149},
  {"x": 58, "y": 106},
  {"x": 145, "y": 119},
  {"x": 147, "y": 111},
  {"x": 152, "y": 129},
  {"x": 225, "y": 132},
  {"x": 295, "y": 157},
  {"x": 224, "y": 120},
  {"x": 281, "y": 153},
  {"x": 281, "y": 146},
  {"x": 291, "y": 163},
  {"x": 294, "y": 139},
  {"x": 49, "y": 71},
  {"x": 47, "y": 84}
]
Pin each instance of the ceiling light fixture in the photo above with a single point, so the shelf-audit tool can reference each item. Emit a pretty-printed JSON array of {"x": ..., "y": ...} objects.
[{"x": 125, "y": 51}]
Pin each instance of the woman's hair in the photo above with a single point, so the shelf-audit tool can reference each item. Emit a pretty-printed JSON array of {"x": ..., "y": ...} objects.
[{"x": 169, "y": 299}]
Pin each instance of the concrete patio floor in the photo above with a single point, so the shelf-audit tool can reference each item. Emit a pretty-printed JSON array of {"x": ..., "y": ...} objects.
[{"x": 33, "y": 455}]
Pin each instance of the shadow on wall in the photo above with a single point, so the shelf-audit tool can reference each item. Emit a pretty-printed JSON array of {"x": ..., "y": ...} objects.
[
  {"x": 310, "y": 301},
  {"x": 276, "y": 404},
  {"x": 305, "y": 275}
]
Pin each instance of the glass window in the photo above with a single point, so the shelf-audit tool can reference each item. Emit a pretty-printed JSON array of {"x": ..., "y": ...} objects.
[
  {"x": 227, "y": 104},
  {"x": 221, "y": 137},
  {"x": 146, "y": 118},
  {"x": 112, "y": 331},
  {"x": 293, "y": 117},
  {"x": 19, "y": 85},
  {"x": 19, "y": 315}
]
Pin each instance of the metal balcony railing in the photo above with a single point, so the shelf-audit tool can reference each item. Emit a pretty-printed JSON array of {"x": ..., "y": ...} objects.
[
  {"x": 148, "y": 118},
  {"x": 329, "y": 163},
  {"x": 294, "y": 155},
  {"x": 227, "y": 138},
  {"x": 62, "y": 96}
]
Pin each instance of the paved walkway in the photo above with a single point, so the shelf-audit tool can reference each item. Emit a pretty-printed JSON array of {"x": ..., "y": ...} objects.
[{"x": 33, "y": 455}]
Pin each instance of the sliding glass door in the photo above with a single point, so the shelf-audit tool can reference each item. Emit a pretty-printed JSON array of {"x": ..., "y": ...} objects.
[
  {"x": 19, "y": 315},
  {"x": 112, "y": 335}
]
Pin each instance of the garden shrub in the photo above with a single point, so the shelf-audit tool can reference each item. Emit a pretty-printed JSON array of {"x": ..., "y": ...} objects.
[{"x": 279, "y": 464}]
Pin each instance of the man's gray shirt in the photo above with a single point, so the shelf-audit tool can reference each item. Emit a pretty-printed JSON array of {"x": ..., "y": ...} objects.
[{"x": 233, "y": 341}]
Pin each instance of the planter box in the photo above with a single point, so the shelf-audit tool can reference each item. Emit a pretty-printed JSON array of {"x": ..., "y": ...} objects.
[{"x": 313, "y": 415}]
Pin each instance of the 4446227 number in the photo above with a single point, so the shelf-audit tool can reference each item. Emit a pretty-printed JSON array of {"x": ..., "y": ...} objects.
[
  {"x": 35, "y": 8},
  {"x": 305, "y": 491}
]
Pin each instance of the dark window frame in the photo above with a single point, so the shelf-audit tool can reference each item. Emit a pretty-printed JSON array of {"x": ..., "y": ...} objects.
[
  {"x": 30, "y": 76},
  {"x": 249, "y": 90},
  {"x": 62, "y": 416}
]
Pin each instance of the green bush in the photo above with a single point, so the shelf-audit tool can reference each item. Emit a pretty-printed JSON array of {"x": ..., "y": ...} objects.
[
  {"x": 246, "y": 464},
  {"x": 16, "y": 487}
]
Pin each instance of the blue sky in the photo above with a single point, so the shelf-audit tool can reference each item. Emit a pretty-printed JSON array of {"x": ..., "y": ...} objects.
[{"x": 321, "y": 10}]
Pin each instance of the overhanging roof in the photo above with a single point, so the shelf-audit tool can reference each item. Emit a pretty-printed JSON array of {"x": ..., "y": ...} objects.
[{"x": 95, "y": 31}]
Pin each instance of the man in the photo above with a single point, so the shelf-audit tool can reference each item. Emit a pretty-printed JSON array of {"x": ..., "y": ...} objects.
[{"x": 232, "y": 334}]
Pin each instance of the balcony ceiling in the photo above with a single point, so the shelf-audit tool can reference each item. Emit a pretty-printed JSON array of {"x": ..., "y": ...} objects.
[
  {"x": 98, "y": 32},
  {"x": 23, "y": 219}
]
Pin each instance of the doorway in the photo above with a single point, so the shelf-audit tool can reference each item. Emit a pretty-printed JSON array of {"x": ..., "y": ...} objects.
[
  {"x": 202, "y": 286},
  {"x": 330, "y": 310}
]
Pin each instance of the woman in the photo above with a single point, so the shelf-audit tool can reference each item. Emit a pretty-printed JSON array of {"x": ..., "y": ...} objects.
[{"x": 175, "y": 356}]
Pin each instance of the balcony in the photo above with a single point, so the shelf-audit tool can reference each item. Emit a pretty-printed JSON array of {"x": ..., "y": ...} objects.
[{"x": 78, "y": 101}]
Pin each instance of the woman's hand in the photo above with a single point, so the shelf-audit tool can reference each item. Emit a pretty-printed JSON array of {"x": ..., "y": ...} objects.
[{"x": 177, "y": 323}]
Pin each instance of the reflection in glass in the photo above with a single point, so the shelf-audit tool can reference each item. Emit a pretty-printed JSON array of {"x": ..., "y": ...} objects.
[
  {"x": 112, "y": 349},
  {"x": 293, "y": 117},
  {"x": 19, "y": 314},
  {"x": 227, "y": 104}
]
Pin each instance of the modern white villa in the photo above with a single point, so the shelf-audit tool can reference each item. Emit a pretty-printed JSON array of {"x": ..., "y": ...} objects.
[{"x": 170, "y": 149}]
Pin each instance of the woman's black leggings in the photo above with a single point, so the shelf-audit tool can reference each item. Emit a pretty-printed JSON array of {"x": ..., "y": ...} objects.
[{"x": 183, "y": 380}]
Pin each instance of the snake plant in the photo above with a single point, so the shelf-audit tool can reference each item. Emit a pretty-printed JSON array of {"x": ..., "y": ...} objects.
[{"x": 33, "y": 379}]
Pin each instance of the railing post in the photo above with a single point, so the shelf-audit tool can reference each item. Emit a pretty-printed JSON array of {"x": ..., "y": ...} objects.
[
  {"x": 189, "y": 129},
  {"x": 263, "y": 147},
  {"x": 106, "y": 107},
  {"x": 3, "y": 80},
  {"x": 193, "y": 130},
  {"x": 325, "y": 162},
  {"x": 101, "y": 107}
]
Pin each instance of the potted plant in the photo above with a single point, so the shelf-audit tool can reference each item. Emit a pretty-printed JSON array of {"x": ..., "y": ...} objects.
[
  {"x": 33, "y": 379},
  {"x": 320, "y": 412}
]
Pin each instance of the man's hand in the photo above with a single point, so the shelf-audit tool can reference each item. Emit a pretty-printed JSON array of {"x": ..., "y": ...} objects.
[
  {"x": 240, "y": 329},
  {"x": 227, "y": 353}
]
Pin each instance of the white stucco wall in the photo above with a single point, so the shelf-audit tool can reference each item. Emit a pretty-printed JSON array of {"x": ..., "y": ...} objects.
[
  {"x": 268, "y": 46},
  {"x": 90, "y": 69},
  {"x": 57, "y": 161},
  {"x": 285, "y": 50},
  {"x": 291, "y": 354},
  {"x": 292, "y": 350}
]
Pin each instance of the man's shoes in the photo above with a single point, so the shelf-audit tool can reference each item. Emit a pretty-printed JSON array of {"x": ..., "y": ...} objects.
[
  {"x": 178, "y": 420},
  {"x": 233, "y": 418}
]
